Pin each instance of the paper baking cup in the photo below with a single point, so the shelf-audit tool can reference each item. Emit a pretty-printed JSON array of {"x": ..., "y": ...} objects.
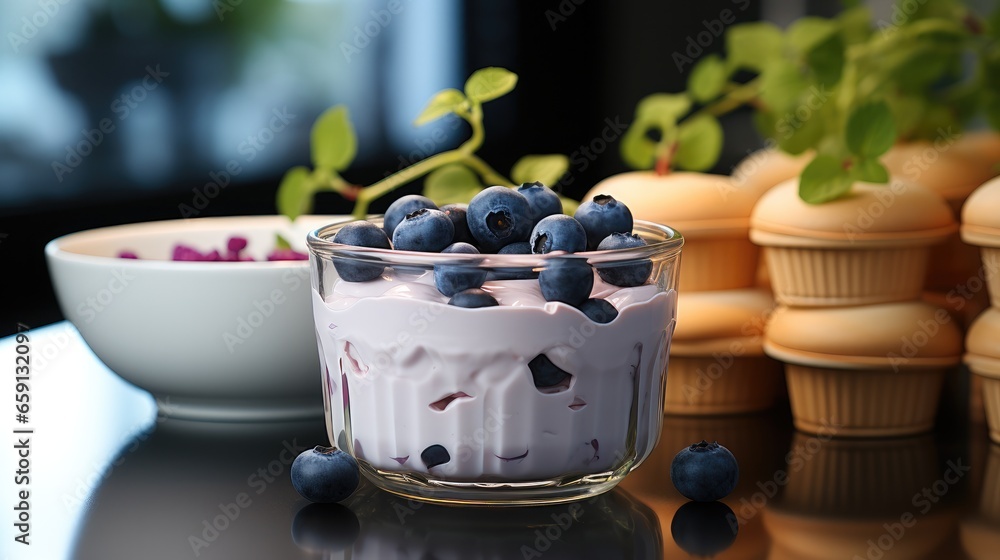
[
  {"x": 705, "y": 386},
  {"x": 991, "y": 263},
  {"x": 864, "y": 402},
  {"x": 813, "y": 277},
  {"x": 726, "y": 263},
  {"x": 991, "y": 400}
]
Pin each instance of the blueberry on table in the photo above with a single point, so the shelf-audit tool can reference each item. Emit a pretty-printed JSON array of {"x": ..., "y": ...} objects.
[
  {"x": 629, "y": 274},
  {"x": 704, "y": 529},
  {"x": 599, "y": 310},
  {"x": 566, "y": 280},
  {"x": 473, "y": 298},
  {"x": 499, "y": 216},
  {"x": 603, "y": 216},
  {"x": 704, "y": 472},
  {"x": 360, "y": 234},
  {"x": 402, "y": 206},
  {"x": 558, "y": 233},
  {"x": 458, "y": 214},
  {"x": 425, "y": 230},
  {"x": 453, "y": 278},
  {"x": 325, "y": 474},
  {"x": 543, "y": 200}
]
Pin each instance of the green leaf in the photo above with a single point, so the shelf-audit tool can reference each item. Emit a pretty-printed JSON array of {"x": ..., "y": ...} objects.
[
  {"x": 753, "y": 45},
  {"x": 855, "y": 24},
  {"x": 663, "y": 109},
  {"x": 869, "y": 170},
  {"x": 826, "y": 60},
  {"x": 450, "y": 184},
  {"x": 708, "y": 78},
  {"x": 333, "y": 142},
  {"x": 699, "y": 143},
  {"x": 823, "y": 180},
  {"x": 808, "y": 32},
  {"x": 569, "y": 205},
  {"x": 280, "y": 242},
  {"x": 659, "y": 111},
  {"x": 444, "y": 102},
  {"x": 638, "y": 151},
  {"x": 796, "y": 134},
  {"x": 295, "y": 193},
  {"x": 489, "y": 83},
  {"x": 781, "y": 85},
  {"x": 547, "y": 169},
  {"x": 871, "y": 130}
]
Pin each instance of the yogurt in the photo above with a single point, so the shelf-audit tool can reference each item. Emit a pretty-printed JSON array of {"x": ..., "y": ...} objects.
[{"x": 406, "y": 372}]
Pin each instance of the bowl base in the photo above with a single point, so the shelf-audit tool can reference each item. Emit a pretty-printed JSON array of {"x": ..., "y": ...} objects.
[
  {"x": 236, "y": 410},
  {"x": 504, "y": 494}
]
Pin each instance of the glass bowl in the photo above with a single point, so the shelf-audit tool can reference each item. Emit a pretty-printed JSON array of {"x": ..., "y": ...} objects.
[{"x": 456, "y": 405}]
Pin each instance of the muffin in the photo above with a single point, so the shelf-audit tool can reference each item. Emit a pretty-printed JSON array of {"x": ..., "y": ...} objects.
[
  {"x": 711, "y": 213},
  {"x": 981, "y": 227},
  {"x": 868, "y": 247},
  {"x": 717, "y": 363},
  {"x": 950, "y": 170},
  {"x": 761, "y": 171},
  {"x": 983, "y": 358},
  {"x": 867, "y": 371},
  {"x": 981, "y": 145}
]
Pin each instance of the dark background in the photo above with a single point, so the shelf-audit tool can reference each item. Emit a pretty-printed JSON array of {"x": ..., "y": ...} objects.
[{"x": 579, "y": 63}]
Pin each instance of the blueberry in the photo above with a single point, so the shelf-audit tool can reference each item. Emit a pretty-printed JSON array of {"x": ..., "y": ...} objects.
[
  {"x": 704, "y": 472},
  {"x": 453, "y": 278},
  {"x": 627, "y": 274},
  {"x": 704, "y": 529},
  {"x": 513, "y": 273},
  {"x": 545, "y": 374},
  {"x": 360, "y": 234},
  {"x": 457, "y": 213},
  {"x": 543, "y": 201},
  {"x": 499, "y": 216},
  {"x": 473, "y": 298},
  {"x": 399, "y": 209},
  {"x": 325, "y": 474},
  {"x": 325, "y": 528},
  {"x": 558, "y": 233},
  {"x": 424, "y": 230},
  {"x": 599, "y": 310},
  {"x": 566, "y": 280},
  {"x": 603, "y": 216},
  {"x": 435, "y": 455}
]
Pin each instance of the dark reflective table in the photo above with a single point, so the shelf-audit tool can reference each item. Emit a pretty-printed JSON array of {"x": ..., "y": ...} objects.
[{"x": 113, "y": 476}]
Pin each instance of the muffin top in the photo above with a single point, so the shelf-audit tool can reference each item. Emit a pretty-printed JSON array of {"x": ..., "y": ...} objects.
[
  {"x": 940, "y": 166},
  {"x": 983, "y": 344},
  {"x": 898, "y": 336},
  {"x": 897, "y": 214},
  {"x": 713, "y": 321},
  {"x": 981, "y": 216},
  {"x": 696, "y": 204}
]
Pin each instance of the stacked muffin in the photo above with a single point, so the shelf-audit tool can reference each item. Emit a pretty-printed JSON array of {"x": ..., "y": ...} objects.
[
  {"x": 717, "y": 364},
  {"x": 981, "y": 227},
  {"x": 864, "y": 355}
]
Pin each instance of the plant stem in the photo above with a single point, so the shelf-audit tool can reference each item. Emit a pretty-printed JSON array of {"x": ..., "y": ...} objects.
[
  {"x": 732, "y": 100},
  {"x": 463, "y": 153},
  {"x": 484, "y": 170}
]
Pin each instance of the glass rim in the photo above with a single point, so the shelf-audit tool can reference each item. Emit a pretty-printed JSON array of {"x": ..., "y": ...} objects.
[{"x": 321, "y": 245}]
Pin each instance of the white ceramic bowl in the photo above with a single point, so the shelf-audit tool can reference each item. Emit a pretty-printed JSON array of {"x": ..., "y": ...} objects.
[{"x": 211, "y": 340}]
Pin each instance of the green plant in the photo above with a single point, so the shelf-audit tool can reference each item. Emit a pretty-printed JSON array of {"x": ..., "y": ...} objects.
[
  {"x": 451, "y": 176},
  {"x": 844, "y": 88}
]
